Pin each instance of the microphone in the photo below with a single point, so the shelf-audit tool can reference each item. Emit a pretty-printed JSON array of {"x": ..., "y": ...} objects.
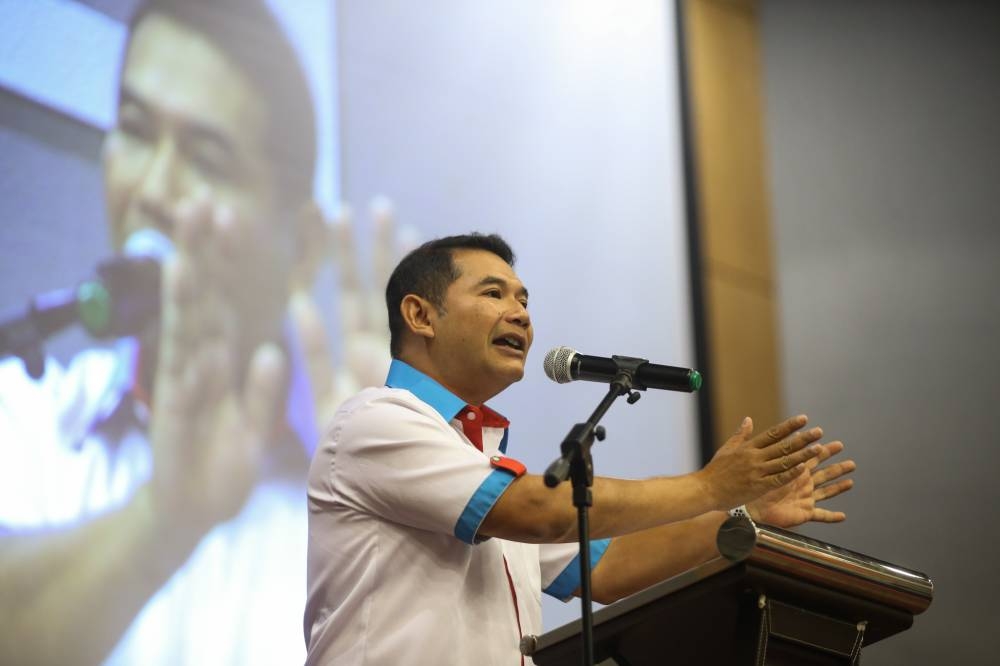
[
  {"x": 563, "y": 364},
  {"x": 122, "y": 300}
]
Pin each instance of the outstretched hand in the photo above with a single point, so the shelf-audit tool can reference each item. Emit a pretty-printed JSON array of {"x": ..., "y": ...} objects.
[
  {"x": 748, "y": 466},
  {"x": 797, "y": 502}
]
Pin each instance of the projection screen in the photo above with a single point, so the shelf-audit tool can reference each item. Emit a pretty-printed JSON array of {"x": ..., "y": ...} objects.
[{"x": 554, "y": 124}]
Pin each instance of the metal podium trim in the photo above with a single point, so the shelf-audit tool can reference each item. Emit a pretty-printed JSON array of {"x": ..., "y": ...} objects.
[
  {"x": 739, "y": 540},
  {"x": 764, "y": 548}
]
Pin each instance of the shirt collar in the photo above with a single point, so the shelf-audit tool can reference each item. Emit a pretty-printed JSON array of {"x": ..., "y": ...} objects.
[
  {"x": 404, "y": 376},
  {"x": 447, "y": 404}
]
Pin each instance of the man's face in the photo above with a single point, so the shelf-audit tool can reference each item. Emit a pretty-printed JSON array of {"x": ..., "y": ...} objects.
[
  {"x": 482, "y": 338},
  {"x": 191, "y": 124}
]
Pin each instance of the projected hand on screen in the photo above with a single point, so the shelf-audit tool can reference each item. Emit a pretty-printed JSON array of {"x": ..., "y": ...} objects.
[
  {"x": 220, "y": 381},
  {"x": 364, "y": 331}
]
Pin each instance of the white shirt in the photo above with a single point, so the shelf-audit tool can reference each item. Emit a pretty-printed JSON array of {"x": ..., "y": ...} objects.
[{"x": 396, "y": 572}]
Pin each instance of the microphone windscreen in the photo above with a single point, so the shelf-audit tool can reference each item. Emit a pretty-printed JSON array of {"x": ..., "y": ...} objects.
[
  {"x": 558, "y": 363},
  {"x": 149, "y": 243},
  {"x": 126, "y": 297}
]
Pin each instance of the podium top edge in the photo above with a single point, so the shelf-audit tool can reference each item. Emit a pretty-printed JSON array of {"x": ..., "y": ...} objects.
[{"x": 741, "y": 540}]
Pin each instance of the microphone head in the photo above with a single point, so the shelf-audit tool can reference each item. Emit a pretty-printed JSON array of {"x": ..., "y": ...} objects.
[
  {"x": 149, "y": 243},
  {"x": 558, "y": 364},
  {"x": 125, "y": 298}
]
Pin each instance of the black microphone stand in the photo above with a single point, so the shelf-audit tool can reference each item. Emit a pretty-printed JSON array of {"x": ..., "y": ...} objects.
[{"x": 577, "y": 464}]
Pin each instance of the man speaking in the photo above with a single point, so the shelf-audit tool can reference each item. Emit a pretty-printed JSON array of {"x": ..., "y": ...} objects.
[{"x": 428, "y": 544}]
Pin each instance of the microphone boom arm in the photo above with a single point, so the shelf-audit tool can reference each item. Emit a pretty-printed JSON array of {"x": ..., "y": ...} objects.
[{"x": 576, "y": 463}]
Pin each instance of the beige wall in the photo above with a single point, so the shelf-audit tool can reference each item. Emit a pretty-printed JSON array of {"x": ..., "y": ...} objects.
[{"x": 723, "y": 55}]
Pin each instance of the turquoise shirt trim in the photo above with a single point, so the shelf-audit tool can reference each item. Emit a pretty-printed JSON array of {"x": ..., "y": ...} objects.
[
  {"x": 569, "y": 580},
  {"x": 448, "y": 405},
  {"x": 404, "y": 376},
  {"x": 480, "y": 503}
]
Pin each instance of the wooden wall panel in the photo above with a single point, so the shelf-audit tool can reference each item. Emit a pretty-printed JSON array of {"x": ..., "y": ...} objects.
[{"x": 723, "y": 56}]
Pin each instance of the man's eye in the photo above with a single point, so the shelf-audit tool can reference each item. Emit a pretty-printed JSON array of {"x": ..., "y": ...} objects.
[
  {"x": 211, "y": 164},
  {"x": 134, "y": 123},
  {"x": 493, "y": 293}
]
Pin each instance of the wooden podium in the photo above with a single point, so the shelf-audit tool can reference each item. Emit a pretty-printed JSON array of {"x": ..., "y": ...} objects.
[{"x": 774, "y": 598}]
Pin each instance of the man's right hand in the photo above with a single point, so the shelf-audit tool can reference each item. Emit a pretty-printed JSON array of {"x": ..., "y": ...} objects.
[
  {"x": 211, "y": 419},
  {"x": 748, "y": 466}
]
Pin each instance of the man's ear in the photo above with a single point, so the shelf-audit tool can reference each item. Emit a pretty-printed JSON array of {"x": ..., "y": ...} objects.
[
  {"x": 312, "y": 244},
  {"x": 419, "y": 315}
]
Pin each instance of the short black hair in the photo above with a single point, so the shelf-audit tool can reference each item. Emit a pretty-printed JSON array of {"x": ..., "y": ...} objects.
[
  {"x": 429, "y": 270},
  {"x": 247, "y": 32}
]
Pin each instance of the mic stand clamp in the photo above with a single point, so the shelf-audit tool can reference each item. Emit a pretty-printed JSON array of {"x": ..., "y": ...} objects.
[{"x": 577, "y": 464}]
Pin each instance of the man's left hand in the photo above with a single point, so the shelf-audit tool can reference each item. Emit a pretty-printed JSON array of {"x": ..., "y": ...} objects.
[{"x": 797, "y": 502}]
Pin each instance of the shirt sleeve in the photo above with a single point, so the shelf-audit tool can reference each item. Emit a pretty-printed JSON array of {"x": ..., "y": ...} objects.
[
  {"x": 398, "y": 459},
  {"x": 560, "y": 565}
]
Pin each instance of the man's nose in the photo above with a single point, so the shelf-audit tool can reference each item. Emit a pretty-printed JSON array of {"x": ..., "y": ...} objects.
[
  {"x": 159, "y": 188},
  {"x": 519, "y": 315}
]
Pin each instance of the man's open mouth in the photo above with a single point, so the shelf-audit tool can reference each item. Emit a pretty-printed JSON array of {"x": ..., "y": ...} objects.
[{"x": 510, "y": 341}]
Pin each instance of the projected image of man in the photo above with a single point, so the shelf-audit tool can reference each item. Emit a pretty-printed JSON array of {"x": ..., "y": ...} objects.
[{"x": 153, "y": 494}]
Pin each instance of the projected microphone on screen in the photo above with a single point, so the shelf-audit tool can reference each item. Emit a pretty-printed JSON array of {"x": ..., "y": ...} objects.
[{"x": 122, "y": 300}]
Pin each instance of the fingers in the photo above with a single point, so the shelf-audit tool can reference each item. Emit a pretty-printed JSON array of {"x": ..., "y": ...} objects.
[
  {"x": 211, "y": 371},
  {"x": 743, "y": 432},
  {"x": 345, "y": 250},
  {"x": 831, "y": 449},
  {"x": 384, "y": 253},
  {"x": 362, "y": 308},
  {"x": 311, "y": 332},
  {"x": 228, "y": 249},
  {"x": 315, "y": 245},
  {"x": 263, "y": 392},
  {"x": 793, "y": 443},
  {"x": 212, "y": 239},
  {"x": 352, "y": 302},
  {"x": 825, "y": 516},
  {"x": 778, "y": 432},
  {"x": 173, "y": 297},
  {"x": 193, "y": 223},
  {"x": 206, "y": 240},
  {"x": 832, "y": 490},
  {"x": 199, "y": 324},
  {"x": 788, "y": 468},
  {"x": 831, "y": 472},
  {"x": 800, "y": 457},
  {"x": 828, "y": 481},
  {"x": 384, "y": 258}
]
